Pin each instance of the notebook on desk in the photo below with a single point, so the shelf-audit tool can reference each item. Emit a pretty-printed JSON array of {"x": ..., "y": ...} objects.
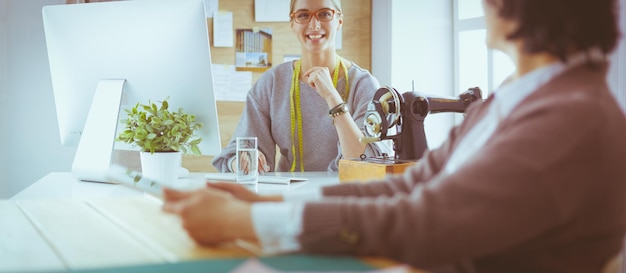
[{"x": 265, "y": 178}]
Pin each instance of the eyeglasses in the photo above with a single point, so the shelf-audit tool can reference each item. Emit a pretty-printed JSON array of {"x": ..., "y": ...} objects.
[{"x": 322, "y": 15}]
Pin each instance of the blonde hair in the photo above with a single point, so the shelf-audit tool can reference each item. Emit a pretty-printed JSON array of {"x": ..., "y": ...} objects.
[{"x": 337, "y": 4}]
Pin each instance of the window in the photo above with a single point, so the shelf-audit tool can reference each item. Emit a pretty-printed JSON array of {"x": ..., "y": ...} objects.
[
  {"x": 469, "y": 9},
  {"x": 472, "y": 61},
  {"x": 475, "y": 64}
]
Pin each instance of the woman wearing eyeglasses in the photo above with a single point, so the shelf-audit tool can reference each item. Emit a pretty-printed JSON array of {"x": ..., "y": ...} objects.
[{"x": 311, "y": 109}]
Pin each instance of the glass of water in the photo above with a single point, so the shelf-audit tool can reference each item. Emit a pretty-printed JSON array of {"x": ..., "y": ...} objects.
[{"x": 247, "y": 161}]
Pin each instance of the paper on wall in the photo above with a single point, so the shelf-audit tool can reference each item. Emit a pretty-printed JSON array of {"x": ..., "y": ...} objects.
[
  {"x": 223, "y": 29},
  {"x": 271, "y": 10},
  {"x": 229, "y": 84}
]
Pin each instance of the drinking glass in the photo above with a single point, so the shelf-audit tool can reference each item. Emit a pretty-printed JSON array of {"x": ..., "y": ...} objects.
[{"x": 247, "y": 161}]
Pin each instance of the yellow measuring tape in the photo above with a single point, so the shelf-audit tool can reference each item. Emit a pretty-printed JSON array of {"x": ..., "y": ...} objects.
[{"x": 296, "y": 113}]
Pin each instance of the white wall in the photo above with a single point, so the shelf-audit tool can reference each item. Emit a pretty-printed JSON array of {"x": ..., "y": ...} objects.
[
  {"x": 4, "y": 185},
  {"x": 412, "y": 42},
  {"x": 381, "y": 40},
  {"x": 34, "y": 148}
]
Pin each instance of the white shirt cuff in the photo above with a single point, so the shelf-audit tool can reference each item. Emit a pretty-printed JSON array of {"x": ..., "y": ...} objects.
[{"x": 277, "y": 225}]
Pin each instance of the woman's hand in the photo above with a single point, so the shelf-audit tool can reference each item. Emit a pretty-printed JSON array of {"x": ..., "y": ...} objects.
[
  {"x": 319, "y": 78},
  {"x": 210, "y": 216},
  {"x": 242, "y": 193}
]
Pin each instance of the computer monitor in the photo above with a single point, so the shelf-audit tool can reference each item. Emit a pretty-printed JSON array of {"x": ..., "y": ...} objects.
[{"x": 152, "y": 49}]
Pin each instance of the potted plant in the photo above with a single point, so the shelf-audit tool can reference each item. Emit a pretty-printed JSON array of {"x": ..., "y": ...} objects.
[{"x": 162, "y": 136}]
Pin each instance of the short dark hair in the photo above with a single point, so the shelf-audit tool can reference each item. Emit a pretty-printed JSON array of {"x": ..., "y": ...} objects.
[{"x": 555, "y": 26}]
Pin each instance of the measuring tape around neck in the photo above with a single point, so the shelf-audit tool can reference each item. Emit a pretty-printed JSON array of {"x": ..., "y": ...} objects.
[{"x": 296, "y": 109}]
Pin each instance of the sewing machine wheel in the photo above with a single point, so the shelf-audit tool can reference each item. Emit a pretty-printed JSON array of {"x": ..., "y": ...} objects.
[
  {"x": 372, "y": 125},
  {"x": 382, "y": 113},
  {"x": 391, "y": 103}
]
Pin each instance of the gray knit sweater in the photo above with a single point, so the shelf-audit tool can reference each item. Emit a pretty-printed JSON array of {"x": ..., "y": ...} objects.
[
  {"x": 547, "y": 193},
  {"x": 267, "y": 116}
]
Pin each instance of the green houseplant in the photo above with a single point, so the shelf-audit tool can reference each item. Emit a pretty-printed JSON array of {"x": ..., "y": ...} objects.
[
  {"x": 154, "y": 128},
  {"x": 163, "y": 136}
]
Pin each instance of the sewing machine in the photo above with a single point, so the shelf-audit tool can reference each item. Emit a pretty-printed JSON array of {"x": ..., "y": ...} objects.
[{"x": 399, "y": 117}]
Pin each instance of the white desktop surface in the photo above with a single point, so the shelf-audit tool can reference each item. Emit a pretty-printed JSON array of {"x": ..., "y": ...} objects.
[
  {"x": 68, "y": 224},
  {"x": 60, "y": 223},
  {"x": 63, "y": 185}
]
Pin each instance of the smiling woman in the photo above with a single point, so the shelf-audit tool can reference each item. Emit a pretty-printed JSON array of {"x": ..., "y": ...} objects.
[{"x": 289, "y": 106}]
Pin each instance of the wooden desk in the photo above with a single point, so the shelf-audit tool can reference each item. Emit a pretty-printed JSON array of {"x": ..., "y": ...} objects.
[{"x": 60, "y": 223}]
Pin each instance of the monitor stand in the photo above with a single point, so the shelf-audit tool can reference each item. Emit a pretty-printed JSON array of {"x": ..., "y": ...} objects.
[{"x": 95, "y": 149}]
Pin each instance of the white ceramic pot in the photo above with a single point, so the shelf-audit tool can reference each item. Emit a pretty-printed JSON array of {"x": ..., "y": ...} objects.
[{"x": 161, "y": 166}]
